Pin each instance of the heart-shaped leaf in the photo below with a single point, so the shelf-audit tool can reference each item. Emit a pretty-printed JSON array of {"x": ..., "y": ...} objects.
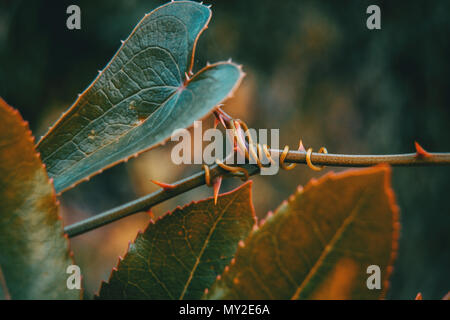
[
  {"x": 320, "y": 243},
  {"x": 181, "y": 254},
  {"x": 34, "y": 253},
  {"x": 140, "y": 98}
]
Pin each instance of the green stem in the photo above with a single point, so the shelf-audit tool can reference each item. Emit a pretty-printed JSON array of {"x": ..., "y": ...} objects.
[{"x": 198, "y": 179}]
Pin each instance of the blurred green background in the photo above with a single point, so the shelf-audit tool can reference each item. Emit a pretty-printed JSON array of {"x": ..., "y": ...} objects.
[{"x": 313, "y": 70}]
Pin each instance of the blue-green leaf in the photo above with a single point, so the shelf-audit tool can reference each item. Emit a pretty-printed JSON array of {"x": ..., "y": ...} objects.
[{"x": 139, "y": 99}]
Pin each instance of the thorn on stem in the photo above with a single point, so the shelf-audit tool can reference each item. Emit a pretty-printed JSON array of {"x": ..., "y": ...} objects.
[
  {"x": 421, "y": 152},
  {"x": 165, "y": 186},
  {"x": 216, "y": 186},
  {"x": 150, "y": 214},
  {"x": 216, "y": 122},
  {"x": 301, "y": 147}
]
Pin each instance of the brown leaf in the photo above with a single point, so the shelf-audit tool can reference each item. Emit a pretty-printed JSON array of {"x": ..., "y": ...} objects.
[
  {"x": 34, "y": 254},
  {"x": 319, "y": 244}
]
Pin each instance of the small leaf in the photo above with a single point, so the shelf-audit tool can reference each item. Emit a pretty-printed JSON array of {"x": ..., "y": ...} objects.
[
  {"x": 319, "y": 244},
  {"x": 34, "y": 253},
  {"x": 142, "y": 96},
  {"x": 181, "y": 254}
]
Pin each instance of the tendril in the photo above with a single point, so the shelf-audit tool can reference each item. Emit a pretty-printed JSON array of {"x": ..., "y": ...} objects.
[
  {"x": 308, "y": 159},
  {"x": 254, "y": 151}
]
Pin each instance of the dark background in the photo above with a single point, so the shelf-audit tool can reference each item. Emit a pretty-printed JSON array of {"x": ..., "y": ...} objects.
[{"x": 313, "y": 70}]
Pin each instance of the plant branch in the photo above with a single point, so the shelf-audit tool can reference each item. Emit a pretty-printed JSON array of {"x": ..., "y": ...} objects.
[
  {"x": 347, "y": 160},
  {"x": 147, "y": 201},
  {"x": 198, "y": 179}
]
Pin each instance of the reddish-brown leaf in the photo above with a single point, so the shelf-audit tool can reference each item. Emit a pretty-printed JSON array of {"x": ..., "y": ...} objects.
[
  {"x": 34, "y": 254},
  {"x": 319, "y": 243}
]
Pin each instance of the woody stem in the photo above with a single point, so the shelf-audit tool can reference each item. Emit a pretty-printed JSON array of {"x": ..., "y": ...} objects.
[{"x": 198, "y": 179}]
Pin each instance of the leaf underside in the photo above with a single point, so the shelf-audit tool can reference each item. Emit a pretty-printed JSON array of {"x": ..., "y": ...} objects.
[
  {"x": 140, "y": 98},
  {"x": 319, "y": 244},
  {"x": 181, "y": 254},
  {"x": 34, "y": 253}
]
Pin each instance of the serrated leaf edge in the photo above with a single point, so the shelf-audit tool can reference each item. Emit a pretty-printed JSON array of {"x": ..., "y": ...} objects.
[
  {"x": 334, "y": 176},
  {"x": 37, "y": 156},
  {"x": 169, "y": 213}
]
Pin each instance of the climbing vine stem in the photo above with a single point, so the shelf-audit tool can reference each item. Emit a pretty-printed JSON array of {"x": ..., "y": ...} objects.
[
  {"x": 198, "y": 179},
  {"x": 312, "y": 159}
]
